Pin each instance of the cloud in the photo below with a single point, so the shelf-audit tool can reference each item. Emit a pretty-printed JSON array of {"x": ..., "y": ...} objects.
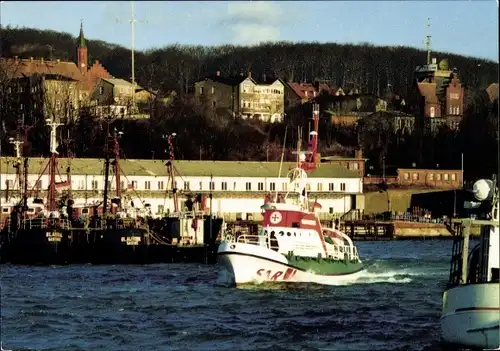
[{"x": 252, "y": 22}]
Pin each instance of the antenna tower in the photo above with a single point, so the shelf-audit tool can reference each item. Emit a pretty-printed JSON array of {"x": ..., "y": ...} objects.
[
  {"x": 428, "y": 41},
  {"x": 132, "y": 22}
]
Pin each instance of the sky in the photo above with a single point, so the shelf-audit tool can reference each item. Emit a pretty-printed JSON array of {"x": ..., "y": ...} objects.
[{"x": 466, "y": 27}]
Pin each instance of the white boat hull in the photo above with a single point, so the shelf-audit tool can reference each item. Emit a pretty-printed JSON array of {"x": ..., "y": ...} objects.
[
  {"x": 252, "y": 264},
  {"x": 471, "y": 315}
]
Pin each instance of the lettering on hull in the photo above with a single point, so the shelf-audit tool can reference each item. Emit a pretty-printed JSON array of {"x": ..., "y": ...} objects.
[{"x": 274, "y": 275}]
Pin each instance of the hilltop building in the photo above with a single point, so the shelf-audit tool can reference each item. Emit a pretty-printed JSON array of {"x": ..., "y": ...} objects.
[
  {"x": 243, "y": 96},
  {"x": 40, "y": 89},
  {"x": 437, "y": 96}
]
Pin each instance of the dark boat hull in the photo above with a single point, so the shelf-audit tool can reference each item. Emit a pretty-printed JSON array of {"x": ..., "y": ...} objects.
[{"x": 36, "y": 246}]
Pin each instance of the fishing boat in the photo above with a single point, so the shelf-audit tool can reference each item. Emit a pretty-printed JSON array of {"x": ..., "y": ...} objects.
[
  {"x": 292, "y": 246},
  {"x": 37, "y": 237},
  {"x": 471, "y": 302}
]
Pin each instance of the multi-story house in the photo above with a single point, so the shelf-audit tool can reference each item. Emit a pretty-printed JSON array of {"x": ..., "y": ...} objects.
[
  {"x": 39, "y": 88},
  {"x": 237, "y": 189},
  {"x": 117, "y": 97},
  {"x": 347, "y": 110},
  {"x": 437, "y": 97},
  {"x": 243, "y": 97}
]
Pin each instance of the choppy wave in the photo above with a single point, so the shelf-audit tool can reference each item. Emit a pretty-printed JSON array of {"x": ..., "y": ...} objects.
[{"x": 394, "y": 305}]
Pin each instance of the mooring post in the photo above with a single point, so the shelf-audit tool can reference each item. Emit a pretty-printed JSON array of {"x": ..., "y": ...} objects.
[{"x": 465, "y": 249}]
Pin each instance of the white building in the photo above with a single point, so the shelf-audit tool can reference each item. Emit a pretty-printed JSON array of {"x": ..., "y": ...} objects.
[{"x": 238, "y": 189}]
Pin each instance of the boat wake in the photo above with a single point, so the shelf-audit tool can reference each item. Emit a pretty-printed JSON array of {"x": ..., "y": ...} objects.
[{"x": 376, "y": 272}]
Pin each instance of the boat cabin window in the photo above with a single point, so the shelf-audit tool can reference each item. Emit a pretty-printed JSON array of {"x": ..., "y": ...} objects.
[
  {"x": 85, "y": 210},
  {"x": 5, "y": 210}
]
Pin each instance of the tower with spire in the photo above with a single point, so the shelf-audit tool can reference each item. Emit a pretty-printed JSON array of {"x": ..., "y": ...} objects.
[{"x": 81, "y": 51}]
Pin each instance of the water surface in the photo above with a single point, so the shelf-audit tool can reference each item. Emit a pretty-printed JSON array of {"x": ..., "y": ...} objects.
[{"x": 395, "y": 305}]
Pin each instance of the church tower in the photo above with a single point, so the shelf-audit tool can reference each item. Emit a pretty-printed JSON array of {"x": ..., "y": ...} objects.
[{"x": 82, "y": 52}]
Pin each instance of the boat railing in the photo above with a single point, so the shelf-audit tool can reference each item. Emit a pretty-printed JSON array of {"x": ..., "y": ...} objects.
[
  {"x": 40, "y": 223},
  {"x": 334, "y": 251},
  {"x": 343, "y": 252}
]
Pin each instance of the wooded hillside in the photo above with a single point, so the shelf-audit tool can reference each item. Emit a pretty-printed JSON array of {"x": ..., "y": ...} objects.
[
  {"x": 203, "y": 135},
  {"x": 177, "y": 67}
]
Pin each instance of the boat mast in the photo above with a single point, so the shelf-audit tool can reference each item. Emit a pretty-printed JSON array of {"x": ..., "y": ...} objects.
[
  {"x": 116, "y": 164},
  {"x": 52, "y": 164},
  {"x": 170, "y": 167},
  {"x": 310, "y": 164},
  {"x": 17, "y": 165},
  {"x": 106, "y": 171}
]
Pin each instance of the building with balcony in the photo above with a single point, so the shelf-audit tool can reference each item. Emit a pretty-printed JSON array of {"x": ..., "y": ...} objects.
[{"x": 243, "y": 96}]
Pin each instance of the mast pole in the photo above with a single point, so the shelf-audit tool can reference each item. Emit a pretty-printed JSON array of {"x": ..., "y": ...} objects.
[
  {"x": 106, "y": 171},
  {"x": 116, "y": 164},
  {"x": 52, "y": 164}
]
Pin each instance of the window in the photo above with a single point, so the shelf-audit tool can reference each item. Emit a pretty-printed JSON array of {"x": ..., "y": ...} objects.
[
  {"x": 234, "y": 186},
  {"x": 331, "y": 186},
  {"x": 308, "y": 187},
  {"x": 212, "y": 186},
  {"x": 433, "y": 111},
  {"x": 223, "y": 185},
  {"x": 39, "y": 184},
  {"x": 451, "y": 110},
  {"x": 453, "y": 176},
  {"x": 147, "y": 185},
  {"x": 186, "y": 185},
  {"x": 94, "y": 185},
  {"x": 10, "y": 183},
  {"x": 445, "y": 176},
  {"x": 438, "y": 176},
  {"x": 272, "y": 186},
  {"x": 201, "y": 185},
  {"x": 407, "y": 176},
  {"x": 160, "y": 210},
  {"x": 161, "y": 185},
  {"x": 320, "y": 187},
  {"x": 284, "y": 186},
  {"x": 415, "y": 176},
  {"x": 81, "y": 185},
  {"x": 201, "y": 90},
  {"x": 213, "y": 90},
  {"x": 101, "y": 90},
  {"x": 330, "y": 210},
  {"x": 431, "y": 176},
  {"x": 353, "y": 166},
  {"x": 248, "y": 186},
  {"x": 260, "y": 186},
  {"x": 457, "y": 110},
  {"x": 342, "y": 186}
]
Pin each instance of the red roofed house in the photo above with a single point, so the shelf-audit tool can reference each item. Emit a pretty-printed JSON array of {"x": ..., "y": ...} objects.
[
  {"x": 301, "y": 93},
  {"x": 41, "y": 89},
  {"x": 438, "y": 96}
]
